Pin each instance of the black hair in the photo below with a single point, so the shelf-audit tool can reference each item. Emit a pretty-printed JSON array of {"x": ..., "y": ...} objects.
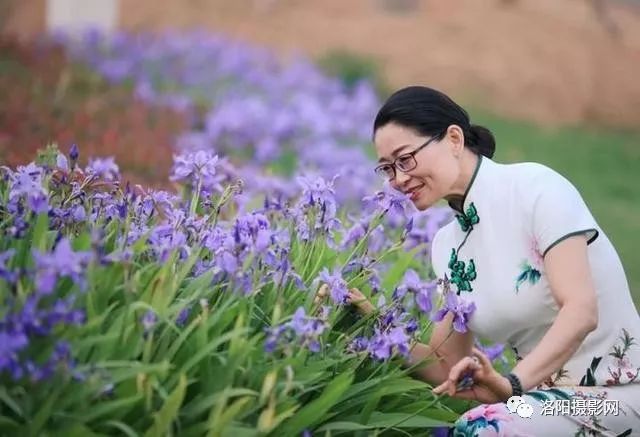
[{"x": 430, "y": 112}]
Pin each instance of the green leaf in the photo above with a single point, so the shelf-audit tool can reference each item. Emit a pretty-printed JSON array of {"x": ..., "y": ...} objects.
[
  {"x": 122, "y": 427},
  {"x": 343, "y": 426},
  {"x": 110, "y": 408},
  {"x": 314, "y": 411},
  {"x": 219, "y": 424},
  {"x": 201, "y": 405},
  {"x": 163, "y": 419},
  {"x": 9, "y": 402},
  {"x": 399, "y": 420},
  {"x": 362, "y": 392},
  {"x": 208, "y": 350},
  {"x": 44, "y": 413},
  {"x": 396, "y": 272},
  {"x": 6, "y": 424},
  {"x": 238, "y": 431},
  {"x": 123, "y": 370},
  {"x": 77, "y": 430},
  {"x": 182, "y": 338},
  {"x": 40, "y": 232}
]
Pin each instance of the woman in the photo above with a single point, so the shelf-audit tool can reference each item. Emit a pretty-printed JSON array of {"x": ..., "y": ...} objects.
[{"x": 542, "y": 275}]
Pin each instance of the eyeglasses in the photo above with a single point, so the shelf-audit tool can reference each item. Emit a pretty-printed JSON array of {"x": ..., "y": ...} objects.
[{"x": 404, "y": 163}]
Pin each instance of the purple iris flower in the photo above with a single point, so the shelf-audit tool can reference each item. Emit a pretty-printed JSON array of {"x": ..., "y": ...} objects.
[
  {"x": 423, "y": 291},
  {"x": 27, "y": 183},
  {"x": 337, "y": 285},
  {"x": 5, "y": 273},
  {"x": 301, "y": 329},
  {"x": 148, "y": 320},
  {"x": 461, "y": 310},
  {"x": 197, "y": 168},
  {"x": 63, "y": 261},
  {"x": 106, "y": 168},
  {"x": 388, "y": 202}
]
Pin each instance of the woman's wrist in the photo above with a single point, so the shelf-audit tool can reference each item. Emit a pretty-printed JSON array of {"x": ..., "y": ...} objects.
[{"x": 502, "y": 388}]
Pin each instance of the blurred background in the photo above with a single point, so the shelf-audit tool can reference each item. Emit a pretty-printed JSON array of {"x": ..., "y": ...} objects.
[{"x": 556, "y": 81}]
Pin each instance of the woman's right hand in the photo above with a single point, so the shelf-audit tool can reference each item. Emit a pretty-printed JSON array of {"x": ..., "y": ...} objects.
[{"x": 354, "y": 297}]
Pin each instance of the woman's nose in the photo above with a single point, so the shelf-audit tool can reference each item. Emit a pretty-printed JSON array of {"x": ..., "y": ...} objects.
[{"x": 401, "y": 177}]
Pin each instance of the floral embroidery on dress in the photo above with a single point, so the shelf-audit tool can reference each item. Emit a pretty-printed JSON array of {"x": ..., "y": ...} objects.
[
  {"x": 589, "y": 378},
  {"x": 593, "y": 427},
  {"x": 554, "y": 379},
  {"x": 531, "y": 268},
  {"x": 527, "y": 274},
  {"x": 483, "y": 420},
  {"x": 535, "y": 254},
  {"x": 590, "y": 427},
  {"x": 624, "y": 371}
]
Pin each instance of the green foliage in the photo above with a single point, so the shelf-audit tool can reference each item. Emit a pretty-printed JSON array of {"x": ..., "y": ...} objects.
[
  {"x": 210, "y": 374},
  {"x": 351, "y": 68}
]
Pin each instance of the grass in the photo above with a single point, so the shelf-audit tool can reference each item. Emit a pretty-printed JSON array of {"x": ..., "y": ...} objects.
[{"x": 603, "y": 164}]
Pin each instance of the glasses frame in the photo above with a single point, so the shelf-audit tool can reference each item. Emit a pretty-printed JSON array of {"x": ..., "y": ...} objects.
[{"x": 411, "y": 154}]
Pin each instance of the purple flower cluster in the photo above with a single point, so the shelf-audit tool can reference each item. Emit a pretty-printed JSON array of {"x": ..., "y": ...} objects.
[
  {"x": 28, "y": 322},
  {"x": 7, "y": 273},
  {"x": 26, "y": 328},
  {"x": 423, "y": 292},
  {"x": 337, "y": 285},
  {"x": 459, "y": 308},
  {"x": 62, "y": 262},
  {"x": 26, "y": 190},
  {"x": 392, "y": 334},
  {"x": 315, "y": 211},
  {"x": 396, "y": 323},
  {"x": 302, "y": 330},
  {"x": 197, "y": 169},
  {"x": 424, "y": 225},
  {"x": 259, "y": 106},
  {"x": 105, "y": 168}
]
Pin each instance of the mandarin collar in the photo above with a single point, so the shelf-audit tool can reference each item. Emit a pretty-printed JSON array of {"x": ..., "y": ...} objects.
[{"x": 472, "y": 189}]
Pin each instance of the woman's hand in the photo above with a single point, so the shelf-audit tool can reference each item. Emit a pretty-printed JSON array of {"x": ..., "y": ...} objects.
[
  {"x": 358, "y": 299},
  {"x": 487, "y": 385},
  {"x": 354, "y": 297}
]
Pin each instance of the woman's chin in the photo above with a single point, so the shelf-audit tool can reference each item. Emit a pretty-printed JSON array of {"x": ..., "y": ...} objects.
[{"x": 421, "y": 203}]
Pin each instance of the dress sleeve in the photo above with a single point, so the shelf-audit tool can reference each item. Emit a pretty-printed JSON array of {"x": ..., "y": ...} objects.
[{"x": 558, "y": 210}]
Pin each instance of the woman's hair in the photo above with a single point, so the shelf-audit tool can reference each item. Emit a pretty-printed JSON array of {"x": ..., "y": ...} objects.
[{"x": 430, "y": 113}]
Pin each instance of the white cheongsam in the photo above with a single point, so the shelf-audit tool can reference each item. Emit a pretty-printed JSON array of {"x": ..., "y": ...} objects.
[{"x": 492, "y": 254}]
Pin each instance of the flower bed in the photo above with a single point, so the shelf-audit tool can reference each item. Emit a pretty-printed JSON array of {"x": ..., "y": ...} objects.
[{"x": 127, "y": 310}]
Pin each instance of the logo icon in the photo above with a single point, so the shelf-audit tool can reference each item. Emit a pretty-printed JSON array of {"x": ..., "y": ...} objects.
[{"x": 517, "y": 404}]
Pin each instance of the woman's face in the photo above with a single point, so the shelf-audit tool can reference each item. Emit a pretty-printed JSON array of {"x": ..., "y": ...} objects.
[{"x": 438, "y": 164}]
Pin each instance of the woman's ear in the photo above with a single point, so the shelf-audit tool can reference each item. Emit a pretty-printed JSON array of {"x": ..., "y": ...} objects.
[{"x": 456, "y": 139}]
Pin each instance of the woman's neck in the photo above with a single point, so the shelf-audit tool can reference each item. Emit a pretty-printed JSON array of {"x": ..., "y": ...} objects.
[{"x": 468, "y": 165}]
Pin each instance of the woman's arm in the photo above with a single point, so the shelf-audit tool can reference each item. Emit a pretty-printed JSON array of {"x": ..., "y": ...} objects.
[
  {"x": 568, "y": 272},
  {"x": 446, "y": 347}
]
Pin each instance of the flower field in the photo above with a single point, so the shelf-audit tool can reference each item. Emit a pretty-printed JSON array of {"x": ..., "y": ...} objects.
[{"x": 187, "y": 305}]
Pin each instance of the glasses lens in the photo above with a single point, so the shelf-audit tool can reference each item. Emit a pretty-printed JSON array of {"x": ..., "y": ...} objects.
[
  {"x": 385, "y": 171},
  {"x": 406, "y": 163}
]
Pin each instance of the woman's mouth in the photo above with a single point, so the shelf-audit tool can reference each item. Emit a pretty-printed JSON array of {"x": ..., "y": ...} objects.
[{"x": 414, "y": 192}]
